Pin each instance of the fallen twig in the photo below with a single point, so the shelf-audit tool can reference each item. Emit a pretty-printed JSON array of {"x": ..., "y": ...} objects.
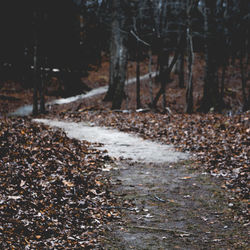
[
  {"x": 119, "y": 208},
  {"x": 159, "y": 199}
]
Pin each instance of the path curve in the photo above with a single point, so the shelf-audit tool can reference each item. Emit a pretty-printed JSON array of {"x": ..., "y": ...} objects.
[
  {"x": 27, "y": 109},
  {"x": 119, "y": 144}
]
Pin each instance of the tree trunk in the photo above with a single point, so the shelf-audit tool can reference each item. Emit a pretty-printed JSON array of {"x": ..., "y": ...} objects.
[
  {"x": 211, "y": 89},
  {"x": 41, "y": 91},
  {"x": 114, "y": 47},
  {"x": 179, "y": 69},
  {"x": 120, "y": 76},
  {"x": 118, "y": 58},
  {"x": 138, "y": 83},
  {"x": 165, "y": 75},
  {"x": 164, "y": 82},
  {"x": 243, "y": 83},
  {"x": 189, "y": 91},
  {"x": 150, "y": 76},
  {"x": 222, "y": 85},
  {"x": 35, "y": 84}
]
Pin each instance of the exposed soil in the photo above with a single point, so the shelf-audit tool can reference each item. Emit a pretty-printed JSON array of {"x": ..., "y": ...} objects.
[{"x": 175, "y": 207}]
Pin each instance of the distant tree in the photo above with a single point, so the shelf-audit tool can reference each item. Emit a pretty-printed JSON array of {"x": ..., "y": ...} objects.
[
  {"x": 136, "y": 33},
  {"x": 169, "y": 41},
  {"x": 118, "y": 55},
  {"x": 192, "y": 4},
  {"x": 211, "y": 89}
]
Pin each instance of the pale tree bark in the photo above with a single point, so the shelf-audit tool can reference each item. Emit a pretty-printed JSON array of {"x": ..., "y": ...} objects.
[
  {"x": 118, "y": 57},
  {"x": 119, "y": 62},
  {"x": 120, "y": 77},
  {"x": 114, "y": 46}
]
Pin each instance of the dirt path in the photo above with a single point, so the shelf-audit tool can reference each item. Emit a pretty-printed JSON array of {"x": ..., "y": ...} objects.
[
  {"x": 118, "y": 144},
  {"x": 27, "y": 109},
  {"x": 174, "y": 206}
]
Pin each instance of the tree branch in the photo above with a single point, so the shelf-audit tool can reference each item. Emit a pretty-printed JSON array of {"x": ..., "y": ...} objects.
[{"x": 139, "y": 39}]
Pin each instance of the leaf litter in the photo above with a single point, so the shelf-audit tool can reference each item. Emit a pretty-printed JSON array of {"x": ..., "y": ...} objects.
[{"x": 52, "y": 189}]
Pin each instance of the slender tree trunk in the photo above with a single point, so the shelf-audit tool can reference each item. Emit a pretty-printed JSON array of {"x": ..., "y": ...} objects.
[
  {"x": 181, "y": 70},
  {"x": 222, "y": 85},
  {"x": 35, "y": 84},
  {"x": 41, "y": 91},
  {"x": 248, "y": 101},
  {"x": 165, "y": 81},
  {"x": 165, "y": 75},
  {"x": 113, "y": 61},
  {"x": 189, "y": 91},
  {"x": 119, "y": 67},
  {"x": 150, "y": 76},
  {"x": 114, "y": 47},
  {"x": 211, "y": 89},
  {"x": 120, "y": 76},
  {"x": 243, "y": 83},
  {"x": 138, "y": 83},
  {"x": 247, "y": 45}
]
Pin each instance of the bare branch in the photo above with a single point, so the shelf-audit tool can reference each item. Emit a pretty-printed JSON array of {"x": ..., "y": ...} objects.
[{"x": 139, "y": 39}]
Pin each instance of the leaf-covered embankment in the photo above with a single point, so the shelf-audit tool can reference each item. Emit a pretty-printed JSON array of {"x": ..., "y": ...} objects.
[{"x": 52, "y": 190}]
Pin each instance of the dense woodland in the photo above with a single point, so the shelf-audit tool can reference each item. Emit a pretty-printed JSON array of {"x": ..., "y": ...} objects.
[{"x": 39, "y": 36}]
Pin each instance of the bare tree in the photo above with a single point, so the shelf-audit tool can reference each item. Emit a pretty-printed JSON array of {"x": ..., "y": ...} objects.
[
  {"x": 35, "y": 81},
  {"x": 190, "y": 48},
  {"x": 35, "y": 76},
  {"x": 211, "y": 89},
  {"x": 118, "y": 56}
]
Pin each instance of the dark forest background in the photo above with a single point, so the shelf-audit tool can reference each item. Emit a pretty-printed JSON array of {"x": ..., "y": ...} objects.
[{"x": 39, "y": 36}]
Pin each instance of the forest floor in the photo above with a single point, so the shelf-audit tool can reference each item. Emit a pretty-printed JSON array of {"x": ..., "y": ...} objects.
[
  {"x": 201, "y": 203},
  {"x": 175, "y": 207}
]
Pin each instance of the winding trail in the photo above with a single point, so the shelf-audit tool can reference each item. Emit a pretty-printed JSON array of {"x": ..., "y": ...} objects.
[
  {"x": 27, "y": 109},
  {"x": 119, "y": 144},
  {"x": 174, "y": 206}
]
